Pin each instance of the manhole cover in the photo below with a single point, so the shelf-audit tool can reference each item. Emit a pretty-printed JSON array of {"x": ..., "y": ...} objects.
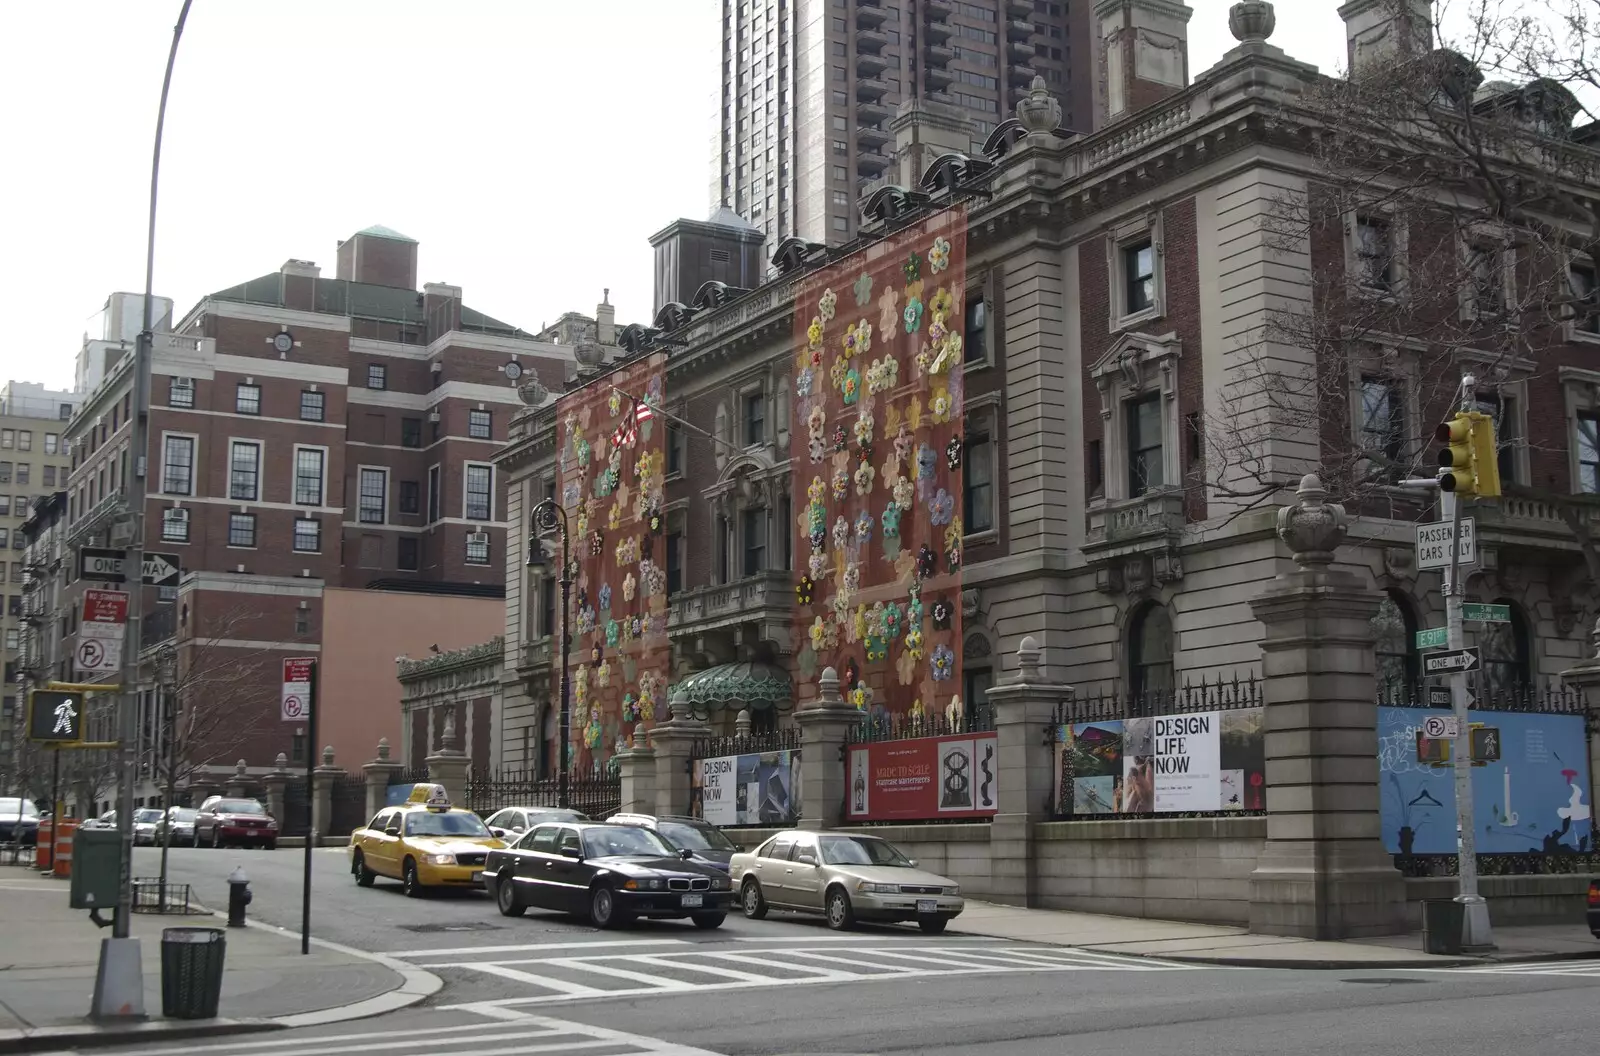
[
  {"x": 1383, "y": 981},
  {"x": 471, "y": 925}
]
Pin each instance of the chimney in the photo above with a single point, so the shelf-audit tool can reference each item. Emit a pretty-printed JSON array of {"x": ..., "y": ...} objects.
[
  {"x": 1146, "y": 52},
  {"x": 605, "y": 320},
  {"x": 297, "y": 285},
  {"x": 923, "y": 130},
  {"x": 441, "y": 307},
  {"x": 379, "y": 256},
  {"x": 1375, "y": 30}
]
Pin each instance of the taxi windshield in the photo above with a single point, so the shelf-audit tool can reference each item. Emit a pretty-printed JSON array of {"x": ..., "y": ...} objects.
[{"x": 430, "y": 823}]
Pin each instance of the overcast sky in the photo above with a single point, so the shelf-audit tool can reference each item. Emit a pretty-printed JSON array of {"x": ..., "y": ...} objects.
[{"x": 531, "y": 147}]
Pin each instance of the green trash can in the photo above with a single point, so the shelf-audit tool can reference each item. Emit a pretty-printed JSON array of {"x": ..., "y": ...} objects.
[
  {"x": 1442, "y": 922},
  {"x": 191, "y": 972}
]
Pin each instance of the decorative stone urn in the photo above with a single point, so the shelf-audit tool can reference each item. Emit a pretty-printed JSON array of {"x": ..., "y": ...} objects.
[
  {"x": 1039, "y": 112},
  {"x": 1252, "y": 21},
  {"x": 1312, "y": 528}
]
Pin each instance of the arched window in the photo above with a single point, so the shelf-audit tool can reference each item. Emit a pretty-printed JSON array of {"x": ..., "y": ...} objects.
[
  {"x": 1150, "y": 651},
  {"x": 1394, "y": 639},
  {"x": 1507, "y": 663}
]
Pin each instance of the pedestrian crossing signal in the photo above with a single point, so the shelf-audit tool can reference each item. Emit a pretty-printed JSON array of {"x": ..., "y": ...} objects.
[
  {"x": 1485, "y": 744},
  {"x": 55, "y": 717},
  {"x": 1432, "y": 751}
]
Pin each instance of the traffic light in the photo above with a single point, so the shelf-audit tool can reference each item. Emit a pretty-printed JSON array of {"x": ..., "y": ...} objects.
[
  {"x": 1468, "y": 460},
  {"x": 1434, "y": 752}
]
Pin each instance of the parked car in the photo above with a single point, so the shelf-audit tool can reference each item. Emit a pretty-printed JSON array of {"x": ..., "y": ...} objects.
[
  {"x": 846, "y": 877},
  {"x": 511, "y": 822},
  {"x": 146, "y": 822},
  {"x": 1594, "y": 908},
  {"x": 181, "y": 821},
  {"x": 423, "y": 843},
  {"x": 19, "y": 820},
  {"x": 224, "y": 820},
  {"x": 108, "y": 820},
  {"x": 606, "y": 873},
  {"x": 704, "y": 841}
]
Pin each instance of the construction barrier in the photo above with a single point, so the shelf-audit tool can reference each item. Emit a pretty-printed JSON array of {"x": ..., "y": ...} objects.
[
  {"x": 44, "y": 848},
  {"x": 63, "y": 842}
]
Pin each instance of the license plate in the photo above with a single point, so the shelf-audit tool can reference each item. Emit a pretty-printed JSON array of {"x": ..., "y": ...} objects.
[
  {"x": 693, "y": 901},
  {"x": 927, "y": 905},
  {"x": 477, "y": 876}
]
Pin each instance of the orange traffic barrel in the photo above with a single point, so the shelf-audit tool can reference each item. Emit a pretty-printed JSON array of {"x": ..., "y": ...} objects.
[
  {"x": 63, "y": 863},
  {"x": 42, "y": 849}
]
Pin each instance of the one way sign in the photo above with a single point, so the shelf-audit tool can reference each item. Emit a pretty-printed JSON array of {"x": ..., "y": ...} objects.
[
  {"x": 106, "y": 566},
  {"x": 1445, "y": 663}
]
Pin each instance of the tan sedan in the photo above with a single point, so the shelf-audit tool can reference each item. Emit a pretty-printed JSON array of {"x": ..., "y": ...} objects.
[{"x": 844, "y": 876}]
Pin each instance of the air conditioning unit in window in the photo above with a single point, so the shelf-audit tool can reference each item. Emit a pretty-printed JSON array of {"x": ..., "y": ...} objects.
[
  {"x": 436, "y": 366},
  {"x": 183, "y": 384},
  {"x": 433, "y": 416},
  {"x": 478, "y": 539},
  {"x": 177, "y": 516}
]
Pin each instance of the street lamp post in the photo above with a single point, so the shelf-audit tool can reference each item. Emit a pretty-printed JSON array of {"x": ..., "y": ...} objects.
[
  {"x": 166, "y": 677},
  {"x": 548, "y": 516}
]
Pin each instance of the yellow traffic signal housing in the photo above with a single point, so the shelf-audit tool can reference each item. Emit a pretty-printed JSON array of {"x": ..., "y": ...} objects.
[
  {"x": 1433, "y": 752},
  {"x": 1456, "y": 459},
  {"x": 1485, "y": 456}
]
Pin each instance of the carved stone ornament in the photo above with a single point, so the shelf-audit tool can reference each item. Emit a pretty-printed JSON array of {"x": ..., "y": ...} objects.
[
  {"x": 533, "y": 392},
  {"x": 1135, "y": 574},
  {"x": 1108, "y": 578},
  {"x": 589, "y": 355},
  {"x": 971, "y": 602},
  {"x": 1166, "y": 567},
  {"x": 1399, "y": 563},
  {"x": 1252, "y": 21},
  {"x": 1312, "y": 528},
  {"x": 1039, "y": 112}
]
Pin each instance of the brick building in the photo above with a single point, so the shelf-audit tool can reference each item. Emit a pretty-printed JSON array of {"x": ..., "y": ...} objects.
[{"x": 307, "y": 433}]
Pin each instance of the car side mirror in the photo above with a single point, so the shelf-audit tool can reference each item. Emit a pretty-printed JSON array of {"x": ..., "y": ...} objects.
[
  {"x": 913, "y": 862},
  {"x": 497, "y": 833},
  {"x": 516, "y": 828},
  {"x": 573, "y": 853},
  {"x": 686, "y": 854},
  {"x": 393, "y": 830},
  {"x": 807, "y": 859}
]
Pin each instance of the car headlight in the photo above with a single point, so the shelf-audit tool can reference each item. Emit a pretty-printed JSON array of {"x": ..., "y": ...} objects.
[
  {"x": 953, "y": 891},
  {"x": 439, "y": 859},
  {"x": 721, "y": 883},
  {"x": 878, "y": 889}
]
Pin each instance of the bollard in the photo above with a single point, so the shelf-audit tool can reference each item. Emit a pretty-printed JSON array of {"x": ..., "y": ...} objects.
[{"x": 239, "y": 896}]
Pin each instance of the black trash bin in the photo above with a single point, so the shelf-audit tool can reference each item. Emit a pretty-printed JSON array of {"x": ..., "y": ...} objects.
[
  {"x": 1442, "y": 922},
  {"x": 191, "y": 972}
]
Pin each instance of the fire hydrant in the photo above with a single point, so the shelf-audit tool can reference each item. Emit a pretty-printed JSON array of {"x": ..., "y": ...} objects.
[{"x": 239, "y": 896}]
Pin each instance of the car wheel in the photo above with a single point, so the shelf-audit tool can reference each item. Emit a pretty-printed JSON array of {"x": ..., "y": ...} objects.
[
  {"x": 754, "y": 902},
  {"x": 410, "y": 881},
  {"x": 841, "y": 917},
  {"x": 603, "y": 909},
  {"x": 194, "y": 837},
  {"x": 506, "y": 898},
  {"x": 216, "y": 838},
  {"x": 270, "y": 845},
  {"x": 707, "y": 921},
  {"x": 363, "y": 875},
  {"x": 933, "y": 925}
]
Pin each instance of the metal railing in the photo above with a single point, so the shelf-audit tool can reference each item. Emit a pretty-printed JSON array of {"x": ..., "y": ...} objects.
[
  {"x": 909, "y": 727},
  {"x": 597, "y": 796},
  {"x": 786, "y": 739},
  {"x": 1101, "y": 705}
]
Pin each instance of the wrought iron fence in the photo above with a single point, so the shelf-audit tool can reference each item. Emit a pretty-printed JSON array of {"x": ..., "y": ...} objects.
[
  {"x": 1531, "y": 863},
  {"x": 348, "y": 805},
  {"x": 781, "y": 740},
  {"x": 597, "y": 796},
  {"x": 1551, "y": 698},
  {"x": 411, "y": 775},
  {"x": 1102, "y": 705},
  {"x": 907, "y": 727},
  {"x": 296, "y": 820}
]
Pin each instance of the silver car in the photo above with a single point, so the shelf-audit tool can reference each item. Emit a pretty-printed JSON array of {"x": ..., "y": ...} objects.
[
  {"x": 845, "y": 876},
  {"x": 146, "y": 820}
]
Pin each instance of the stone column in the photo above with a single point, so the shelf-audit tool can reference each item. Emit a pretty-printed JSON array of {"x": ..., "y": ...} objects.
[
  {"x": 277, "y": 783},
  {"x": 637, "y": 769},
  {"x": 1584, "y": 677},
  {"x": 824, "y": 725},
  {"x": 322, "y": 779},
  {"x": 1323, "y": 873},
  {"x": 239, "y": 781},
  {"x": 378, "y": 771},
  {"x": 741, "y": 723},
  {"x": 674, "y": 742},
  {"x": 448, "y": 766},
  {"x": 1023, "y": 707}
]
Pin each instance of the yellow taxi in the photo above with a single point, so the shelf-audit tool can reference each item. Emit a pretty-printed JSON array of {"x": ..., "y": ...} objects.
[{"x": 423, "y": 843}]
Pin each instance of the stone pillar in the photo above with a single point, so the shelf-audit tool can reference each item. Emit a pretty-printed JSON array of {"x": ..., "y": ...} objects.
[
  {"x": 1023, "y": 707},
  {"x": 674, "y": 742},
  {"x": 448, "y": 766},
  {"x": 636, "y": 766},
  {"x": 1323, "y": 873},
  {"x": 824, "y": 726},
  {"x": 239, "y": 781},
  {"x": 378, "y": 772},
  {"x": 322, "y": 779},
  {"x": 1584, "y": 677},
  {"x": 277, "y": 784},
  {"x": 741, "y": 723}
]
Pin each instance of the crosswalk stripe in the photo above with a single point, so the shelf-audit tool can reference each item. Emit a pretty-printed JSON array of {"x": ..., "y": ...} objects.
[
  {"x": 660, "y": 982},
  {"x": 750, "y": 958},
  {"x": 835, "y": 958},
  {"x": 885, "y": 937},
  {"x": 470, "y": 951},
  {"x": 667, "y": 961},
  {"x": 560, "y": 986},
  {"x": 980, "y": 966}
]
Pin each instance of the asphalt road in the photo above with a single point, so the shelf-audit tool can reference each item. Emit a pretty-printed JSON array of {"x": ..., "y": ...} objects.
[{"x": 545, "y": 983}]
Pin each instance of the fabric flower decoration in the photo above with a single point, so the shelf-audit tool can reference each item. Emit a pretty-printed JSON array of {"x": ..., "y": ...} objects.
[
  {"x": 952, "y": 534},
  {"x": 817, "y": 563},
  {"x": 941, "y": 506},
  {"x": 613, "y": 632},
  {"x": 863, "y": 290},
  {"x": 841, "y": 532},
  {"x": 927, "y": 462},
  {"x": 817, "y": 449},
  {"x": 939, "y": 255},
  {"x": 656, "y": 520},
  {"x": 927, "y": 561},
  {"x": 952, "y": 558},
  {"x": 656, "y": 579},
  {"x": 630, "y": 587},
  {"x": 937, "y": 332},
  {"x": 852, "y": 577},
  {"x": 615, "y": 402},
  {"x": 902, "y": 443},
  {"x": 817, "y": 421},
  {"x": 861, "y": 697},
  {"x": 942, "y": 405},
  {"x": 819, "y": 539},
  {"x": 851, "y": 387},
  {"x": 826, "y": 305},
  {"x": 913, "y": 315},
  {"x": 864, "y": 528},
  {"x": 941, "y": 614},
  {"x": 803, "y": 590},
  {"x": 841, "y": 484},
  {"x": 941, "y": 302},
  {"x": 914, "y": 611},
  {"x": 882, "y": 375},
  {"x": 816, "y": 491},
  {"x": 952, "y": 453},
  {"x": 877, "y": 647},
  {"x": 817, "y": 632},
  {"x": 888, "y": 309},
  {"x": 903, "y": 492},
  {"x": 863, "y": 429},
  {"x": 602, "y": 674},
  {"x": 841, "y": 439},
  {"x": 803, "y": 382},
  {"x": 914, "y": 644},
  {"x": 597, "y": 544},
  {"x": 851, "y": 674},
  {"x": 858, "y": 625},
  {"x": 944, "y": 663},
  {"x": 584, "y": 451},
  {"x": 865, "y": 475},
  {"x": 814, "y": 334},
  {"x": 586, "y": 620},
  {"x": 570, "y": 494},
  {"x": 605, "y": 596},
  {"x": 891, "y": 620},
  {"x": 913, "y": 268},
  {"x": 858, "y": 339},
  {"x": 891, "y": 520}
]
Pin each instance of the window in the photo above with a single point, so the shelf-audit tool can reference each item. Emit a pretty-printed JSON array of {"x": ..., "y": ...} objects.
[
  {"x": 975, "y": 691},
  {"x": 975, "y": 339},
  {"x": 49, "y": 476},
  {"x": 177, "y": 465},
  {"x": 16, "y": 571},
  {"x": 1586, "y": 439},
  {"x": 410, "y": 497},
  {"x": 25, "y": 438},
  {"x": 12, "y": 638},
  {"x": 477, "y": 548},
  {"x": 409, "y": 560},
  {"x": 307, "y": 535},
  {"x": 547, "y": 606},
  {"x": 313, "y": 406},
  {"x": 1139, "y": 277},
  {"x": 8, "y": 438},
  {"x": 1585, "y": 295},
  {"x": 174, "y": 526},
  {"x": 1488, "y": 287},
  {"x": 1374, "y": 253},
  {"x": 1096, "y": 456},
  {"x": 241, "y": 529},
  {"x": 674, "y": 562},
  {"x": 839, "y": 173},
  {"x": 674, "y": 449},
  {"x": 478, "y": 483},
  {"x": 52, "y": 443},
  {"x": 479, "y": 425},
  {"x": 977, "y": 506},
  {"x": 19, "y": 506},
  {"x": 1383, "y": 427},
  {"x": 5, "y": 472},
  {"x": 1506, "y": 659},
  {"x": 1145, "y": 454},
  {"x": 1149, "y": 656},
  {"x": 411, "y": 432},
  {"x": 755, "y": 541},
  {"x": 755, "y": 418},
  {"x": 309, "y": 470},
  {"x": 244, "y": 471},
  {"x": 247, "y": 399},
  {"x": 373, "y": 495},
  {"x": 433, "y": 494},
  {"x": 841, "y": 224},
  {"x": 25, "y": 472},
  {"x": 180, "y": 392},
  {"x": 1393, "y": 636},
  {"x": 302, "y": 621},
  {"x": 377, "y": 376}
]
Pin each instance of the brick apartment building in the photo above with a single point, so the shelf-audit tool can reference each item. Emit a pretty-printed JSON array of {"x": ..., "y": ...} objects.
[
  {"x": 310, "y": 433},
  {"x": 1123, "y": 289}
]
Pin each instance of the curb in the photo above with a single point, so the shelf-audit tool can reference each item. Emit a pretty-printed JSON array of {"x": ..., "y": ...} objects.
[
  {"x": 55, "y": 1039},
  {"x": 416, "y": 986},
  {"x": 1330, "y": 965}
]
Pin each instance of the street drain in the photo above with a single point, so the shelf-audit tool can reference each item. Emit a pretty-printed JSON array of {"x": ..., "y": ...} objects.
[
  {"x": 430, "y": 929},
  {"x": 1383, "y": 981}
]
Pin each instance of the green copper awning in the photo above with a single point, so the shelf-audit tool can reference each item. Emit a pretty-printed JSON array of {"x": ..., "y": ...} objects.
[{"x": 756, "y": 686}]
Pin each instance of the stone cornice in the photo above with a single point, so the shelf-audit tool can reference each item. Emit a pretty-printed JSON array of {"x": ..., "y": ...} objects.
[{"x": 483, "y": 654}]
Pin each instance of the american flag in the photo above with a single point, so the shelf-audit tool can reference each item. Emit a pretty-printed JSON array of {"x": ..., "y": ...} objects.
[{"x": 628, "y": 431}]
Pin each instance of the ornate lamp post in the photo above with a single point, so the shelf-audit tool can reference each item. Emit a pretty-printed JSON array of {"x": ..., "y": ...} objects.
[{"x": 547, "y": 517}]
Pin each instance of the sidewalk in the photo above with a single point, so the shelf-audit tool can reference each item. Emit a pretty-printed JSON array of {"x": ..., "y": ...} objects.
[
  {"x": 1211, "y": 944},
  {"x": 50, "y": 953}
]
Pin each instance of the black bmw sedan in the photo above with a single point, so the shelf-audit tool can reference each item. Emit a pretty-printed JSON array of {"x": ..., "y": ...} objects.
[{"x": 610, "y": 874}]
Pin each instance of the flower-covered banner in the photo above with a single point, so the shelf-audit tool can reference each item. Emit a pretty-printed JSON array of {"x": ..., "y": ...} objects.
[
  {"x": 877, "y": 455},
  {"x": 612, "y": 459}
]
